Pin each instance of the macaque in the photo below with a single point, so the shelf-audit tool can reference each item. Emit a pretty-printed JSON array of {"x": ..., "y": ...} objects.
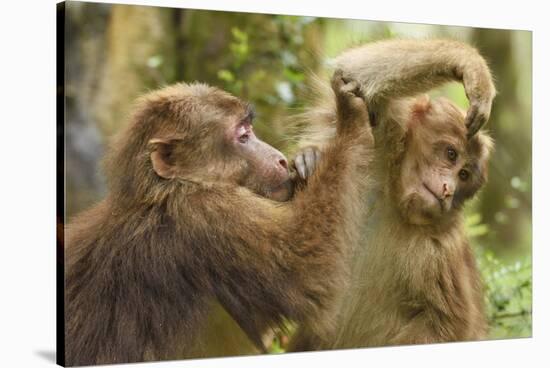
[
  {"x": 414, "y": 277},
  {"x": 194, "y": 221}
]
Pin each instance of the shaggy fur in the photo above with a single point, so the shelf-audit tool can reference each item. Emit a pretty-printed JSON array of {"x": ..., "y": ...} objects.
[
  {"x": 411, "y": 283},
  {"x": 146, "y": 266}
]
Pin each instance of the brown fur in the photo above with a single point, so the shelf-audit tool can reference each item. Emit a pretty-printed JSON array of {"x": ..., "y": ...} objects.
[
  {"x": 393, "y": 69},
  {"x": 414, "y": 276},
  {"x": 184, "y": 230}
]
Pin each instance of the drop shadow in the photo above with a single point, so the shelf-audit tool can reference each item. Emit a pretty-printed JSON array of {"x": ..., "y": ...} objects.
[{"x": 48, "y": 355}]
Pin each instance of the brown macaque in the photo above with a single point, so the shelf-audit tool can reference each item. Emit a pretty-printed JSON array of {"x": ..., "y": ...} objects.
[
  {"x": 191, "y": 225},
  {"x": 414, "y": 277}
]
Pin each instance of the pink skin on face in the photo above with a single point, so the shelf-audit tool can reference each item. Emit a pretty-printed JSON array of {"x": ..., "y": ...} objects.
[{"x": 269, "y": 164}]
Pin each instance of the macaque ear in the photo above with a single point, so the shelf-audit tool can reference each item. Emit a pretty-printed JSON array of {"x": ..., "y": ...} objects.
[
  {"x": 421, "y": 106},
  {"x": 162, "y": 156}
]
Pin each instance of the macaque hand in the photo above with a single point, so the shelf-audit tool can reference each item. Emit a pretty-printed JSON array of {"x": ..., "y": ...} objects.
[
  {"x": 479, "y": 88},
  {"x": 351, "y": 107},
  {"x": 306, "y": 161},
  {"x": 478, "y": 114}
]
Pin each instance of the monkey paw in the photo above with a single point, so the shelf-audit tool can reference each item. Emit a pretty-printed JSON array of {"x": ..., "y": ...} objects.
[
  {"x": 347, "y": 89},
  {"x": 306, "y": 161},
  {"x": 478, "y": 114},
  {"x": 350, "y": 102}
]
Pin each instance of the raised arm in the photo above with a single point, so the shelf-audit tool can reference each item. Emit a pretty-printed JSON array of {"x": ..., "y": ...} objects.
[
  {"x": 402, "y": 68},
  {"x": 287, "y": 260}
]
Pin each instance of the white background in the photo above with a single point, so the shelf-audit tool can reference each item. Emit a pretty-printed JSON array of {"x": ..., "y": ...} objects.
[{"x": 27, "y": 181}]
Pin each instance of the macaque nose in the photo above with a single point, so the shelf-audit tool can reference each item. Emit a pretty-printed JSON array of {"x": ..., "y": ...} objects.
[
  {"x": 448, "y": 191},
  {"x": 283, "y": 163}
]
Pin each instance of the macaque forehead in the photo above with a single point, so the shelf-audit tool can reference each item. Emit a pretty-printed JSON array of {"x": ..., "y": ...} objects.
[
  {"x": 198, "y": 110},
  {"x": 438, "y": 122},
  {"x": 198, "y": 118},
  {"x": 219, "y": 107}
]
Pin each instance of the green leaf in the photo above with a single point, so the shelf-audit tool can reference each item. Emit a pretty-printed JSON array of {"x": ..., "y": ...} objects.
[
  {"x": 239, "y": 35},
  {"x": 226, "y": 75},
  {"x": 154, "y": 61}
]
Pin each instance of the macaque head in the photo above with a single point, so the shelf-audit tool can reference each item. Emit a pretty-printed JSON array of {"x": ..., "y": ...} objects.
[
  {"x": 440, "y": 167},
  {"x": 200, "y": 134}
]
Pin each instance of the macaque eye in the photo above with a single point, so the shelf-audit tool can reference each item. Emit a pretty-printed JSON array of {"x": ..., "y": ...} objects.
[
  {"x": 463, "y": 174},
  {"x": 452, "y": 155},
  {"x": 244, "y": 138},
  {"x": 244, "y": 131}
]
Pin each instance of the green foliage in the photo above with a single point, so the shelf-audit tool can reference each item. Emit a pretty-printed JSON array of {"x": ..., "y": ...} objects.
[
  {"x": 265, "y": 65},
  {"x": 508, "y": 295},
  {"x": 154, "y": 61},
  {"x": 508, "y": 287},
  {"x": 239, "y": 47},
  {"x": 276, "y": 347},
  {"x": 240, "y": 52},
  {"x": 475, "y": 227},
  {"x": 282, "y": 74}
]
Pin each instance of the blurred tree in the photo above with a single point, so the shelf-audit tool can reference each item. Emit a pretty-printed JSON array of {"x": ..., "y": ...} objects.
[
  {"x": 140, "y": 54},
  {"x": 259, "y": 57},
  {"x": 84, "y": 52},
  {"x": 506, "y": 202},
  {"x": 114, "y": 53}
]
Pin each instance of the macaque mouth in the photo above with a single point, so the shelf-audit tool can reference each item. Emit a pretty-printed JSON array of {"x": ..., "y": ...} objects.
[
  {"x": 281, "y": 192},
  {"x": 285, "y": 185}
]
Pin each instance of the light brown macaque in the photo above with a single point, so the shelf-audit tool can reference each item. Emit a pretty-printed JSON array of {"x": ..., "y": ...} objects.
[
  {"x": 191, "y": 228},
  {"x": 414, "y": 276}
]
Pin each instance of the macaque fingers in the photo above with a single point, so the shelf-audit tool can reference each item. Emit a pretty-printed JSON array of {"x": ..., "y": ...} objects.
[
  {"x": 480, "y": 90},
  {"x": 310, "y": 161},
  {"x": 299, "y": 163},
  {"x": 477, "y": 116},
  {"x": 306, "y": 161},
  {"x": 351, "y": 106}
]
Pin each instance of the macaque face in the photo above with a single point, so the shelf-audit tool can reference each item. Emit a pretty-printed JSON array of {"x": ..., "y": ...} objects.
[
  {"x": 265, "y": 169},
  {"x": 441, "y": 168},
  {"x": 215, "y": 129}
]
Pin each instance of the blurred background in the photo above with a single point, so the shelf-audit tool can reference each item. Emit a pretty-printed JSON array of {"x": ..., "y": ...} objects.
[{"x": 114, "y": 53}]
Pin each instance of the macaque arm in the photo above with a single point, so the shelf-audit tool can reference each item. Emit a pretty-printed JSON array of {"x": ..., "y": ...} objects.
[
  {"x": 287, "y": 260},
  {"x": 402, "y": 68},
  {"x": 281, "y": 259},
  {"x": 348, "y": 105}
]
